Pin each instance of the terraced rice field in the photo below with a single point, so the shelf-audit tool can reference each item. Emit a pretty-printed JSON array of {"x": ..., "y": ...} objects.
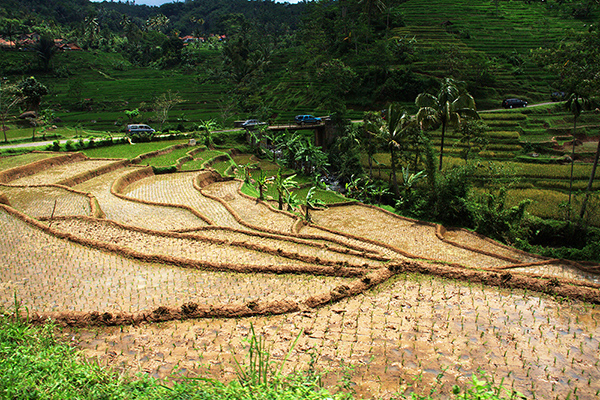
[
  {"x": 190, "y": 249},
  {"x": 61, "y": 172}
]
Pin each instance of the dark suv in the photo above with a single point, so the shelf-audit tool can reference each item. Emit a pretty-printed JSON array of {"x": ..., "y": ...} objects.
[
  {"x": 514, "y": 103},
  {"x": 307, "y": 119}
]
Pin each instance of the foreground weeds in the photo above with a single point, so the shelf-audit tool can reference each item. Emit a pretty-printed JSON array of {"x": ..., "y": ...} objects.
[{"x": 35, "y": 365}]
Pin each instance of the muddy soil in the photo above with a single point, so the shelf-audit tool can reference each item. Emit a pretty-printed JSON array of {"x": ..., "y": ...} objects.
[
  {"x": 376, "y": 344},
  {"x": 380, "y": 302}
]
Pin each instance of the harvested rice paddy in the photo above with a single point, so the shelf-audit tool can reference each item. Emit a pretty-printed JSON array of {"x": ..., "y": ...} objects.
[{"x": 376, "y": 299}]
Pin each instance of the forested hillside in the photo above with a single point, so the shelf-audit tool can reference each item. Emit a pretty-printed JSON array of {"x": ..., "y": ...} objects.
[
  {"x": 186, "y": 66},
  {"x": 329, "y": 56}
]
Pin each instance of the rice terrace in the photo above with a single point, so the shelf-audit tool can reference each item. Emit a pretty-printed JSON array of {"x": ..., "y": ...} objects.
[
  {"x": 307, "y": 200},
  {"x": 168, "y": 274}
]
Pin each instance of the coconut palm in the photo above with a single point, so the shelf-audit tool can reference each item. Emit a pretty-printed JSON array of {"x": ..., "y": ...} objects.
[
  {"x": 446, "y": 108},
  {"x": 393, "y": 133},
  {"x": 575, "y": 104},
  {"x": 590, "y": 183}
]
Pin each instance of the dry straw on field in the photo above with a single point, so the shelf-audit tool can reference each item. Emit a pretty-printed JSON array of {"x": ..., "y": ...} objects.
[{"x": 202, "y": 223}]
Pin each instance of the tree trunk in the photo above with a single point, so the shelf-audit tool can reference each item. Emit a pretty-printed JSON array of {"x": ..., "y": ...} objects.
[
  {"x": 590, "y": 183},
  {"x": 572, "y": 166},
  {"x": 442, "y": 144},
  {"x": 393, "y": 176}
]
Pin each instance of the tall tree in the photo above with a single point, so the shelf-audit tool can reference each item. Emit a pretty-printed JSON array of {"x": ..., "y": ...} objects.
[
  {"x": 371, "y": 123},
  {"x": 45, "y": 49},
  {"x": 33, "y": 92},
  {"x": 588, "y": 189},
  {"x": 576, "y": 61},
  {"x": 10, "y": 96},
  {"x": 450, "y": 104},
  {"x": 392, "y": 132},
  {"x": 164, "y": 103},
  {"x": 575, "y": 104}
]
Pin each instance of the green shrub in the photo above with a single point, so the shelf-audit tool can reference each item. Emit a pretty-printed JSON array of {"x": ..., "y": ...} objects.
[
  {"x": 561, "y": 239},
  {"x": 70, "y": 146},
  {"x": 164, "y": 170}
]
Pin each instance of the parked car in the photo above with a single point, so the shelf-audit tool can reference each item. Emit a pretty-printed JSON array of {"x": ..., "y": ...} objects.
[
  {"x": 307, "y": 119},
  {"x": 251, "y": 124},
  {"x": 558, "y": 96},
  {"x": 514, "y": 103},
  {"x": 138, "y": 129}
]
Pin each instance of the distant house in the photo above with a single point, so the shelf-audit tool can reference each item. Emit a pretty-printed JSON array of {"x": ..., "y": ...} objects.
[
  {"x": 191, "y": 39},
  {"x": 7, "y": 44},
  {"x": 69, "y": 47},
  {"x": 28, "y": 39}
]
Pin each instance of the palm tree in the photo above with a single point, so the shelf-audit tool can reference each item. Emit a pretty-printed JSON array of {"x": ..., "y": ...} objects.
[
  {"x": 372, "y": 122},
  {"x": 283, "y": 186},
  {"x": 392, "y": 132},
  {"x": 575, "y": 104},
  {"x": 91, "y": 29},
  {"x": 590, "y": 183},
  {"x": 447, "y": 108}
]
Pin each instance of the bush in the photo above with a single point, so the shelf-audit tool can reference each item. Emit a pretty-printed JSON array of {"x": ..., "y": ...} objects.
[
  {"x": 164, "y": 170},
  {"x": 55, "y": 146},
  {"x": 493, "y": 218}
]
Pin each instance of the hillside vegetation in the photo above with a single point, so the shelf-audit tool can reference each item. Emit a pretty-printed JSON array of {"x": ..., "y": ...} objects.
[{"x": 217, "y": 62}]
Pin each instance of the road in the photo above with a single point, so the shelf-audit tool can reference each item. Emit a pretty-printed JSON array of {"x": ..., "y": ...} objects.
[{"x": 63, "y": 141}]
